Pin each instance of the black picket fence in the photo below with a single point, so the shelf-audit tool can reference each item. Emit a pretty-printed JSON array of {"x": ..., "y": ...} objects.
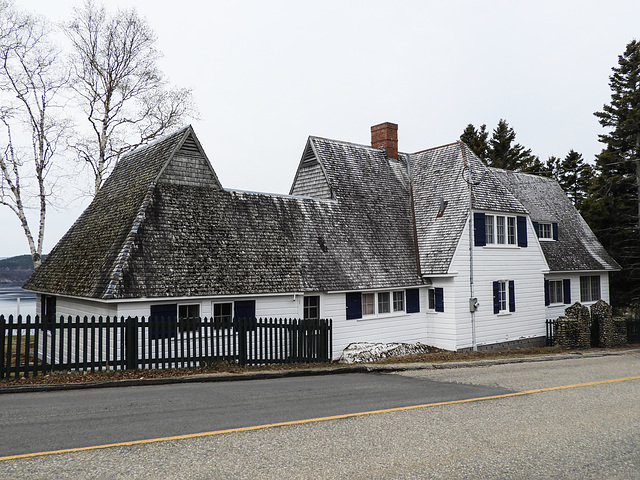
[{"x": 40, "y": 346}]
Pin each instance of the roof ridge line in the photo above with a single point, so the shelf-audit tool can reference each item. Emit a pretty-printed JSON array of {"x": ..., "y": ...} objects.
[
  {"x": 439, "y": 146},
  {"x": 153, "y": 142},
  {"x": 125, "y": 251}
]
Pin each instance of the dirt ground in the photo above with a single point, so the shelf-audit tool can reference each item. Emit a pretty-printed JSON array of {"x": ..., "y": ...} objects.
[{"x": 435, "y": 356}]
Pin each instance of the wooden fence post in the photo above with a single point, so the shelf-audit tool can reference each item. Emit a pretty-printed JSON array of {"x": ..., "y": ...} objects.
[
  {"x": 3, "y": 337},
  {"x": 132, "y": 343}
]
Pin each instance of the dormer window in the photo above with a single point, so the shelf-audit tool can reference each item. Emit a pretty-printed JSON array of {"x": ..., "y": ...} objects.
[
  {"x": 500, "y": 230},
  {"x": 546, "y": 230}
]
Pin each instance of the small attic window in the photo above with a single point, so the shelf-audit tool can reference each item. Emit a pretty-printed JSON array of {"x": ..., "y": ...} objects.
[{"x": 546, "y": 230}]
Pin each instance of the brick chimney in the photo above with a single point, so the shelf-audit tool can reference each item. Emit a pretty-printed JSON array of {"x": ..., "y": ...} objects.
[{"x": 386, "y": 135}]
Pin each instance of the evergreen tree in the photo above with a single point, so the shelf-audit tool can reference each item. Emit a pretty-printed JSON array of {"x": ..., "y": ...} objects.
[
  {"x": 574, "y": 176},
  {"x": 499, "y": 151},
  {"x": 477, "y": 140},
  {"x": 613, "y": 206}
]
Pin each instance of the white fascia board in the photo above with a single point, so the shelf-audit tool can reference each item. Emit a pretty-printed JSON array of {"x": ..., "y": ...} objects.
[
  {"x": 381, "y": 289},
  {"x": 173, "y": 299},
  {"x": 583, "y": 271}
]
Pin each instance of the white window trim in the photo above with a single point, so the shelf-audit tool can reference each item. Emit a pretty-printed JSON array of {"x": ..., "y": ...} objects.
[
  {"x": 494, "y": 231},
  {"x": 550, "y": 237},
  {"x": 561, "y": 302},
  {"x": 391, "y": 313},
  {"x": 590, "y": 277},
  {"x": 429, "y": 309}
]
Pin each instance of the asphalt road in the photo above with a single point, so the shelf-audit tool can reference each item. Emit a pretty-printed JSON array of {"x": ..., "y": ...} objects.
[
  {"x": 580, "y": 425},
  {"x": 35, "y": 422}
]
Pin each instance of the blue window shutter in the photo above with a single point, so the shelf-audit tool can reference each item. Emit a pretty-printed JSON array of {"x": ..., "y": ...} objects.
[
  {"x": 439, "y": 294},
  {"x": 512, "y": 296},
  {"x": 522, "y": 231},
  {"x": 547, "y": 299},
  {"x": 496, "y": 297},
  {"x": 566, "y": 290},
  {"x": 536, "y": 227},
  {"x": 479, "y": 231},
  {"x": 413, "y": 300},
  {"x": 555, "y": 231},
  {"x": 163, "y": 320},
  {"x": 245, "y": 310},
  {"x": 354, "y": 305}
]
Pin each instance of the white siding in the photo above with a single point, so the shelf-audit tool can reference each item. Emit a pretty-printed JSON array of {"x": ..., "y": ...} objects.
[
  {"x": 79, "y": 307},
  {"x": 409, "y": 328},
  {"x": 441, "y": 326},
  {"x": 556, "y": 310},
  {"x": 523, "y": 265}
]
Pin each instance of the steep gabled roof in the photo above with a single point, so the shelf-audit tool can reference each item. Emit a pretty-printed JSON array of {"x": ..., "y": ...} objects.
[
  {"x": 577, "y": 248},
  {"x": 88, "y": 259},
  {"x": 162, "y": 226},
  {"x": 440, "y": 178}
]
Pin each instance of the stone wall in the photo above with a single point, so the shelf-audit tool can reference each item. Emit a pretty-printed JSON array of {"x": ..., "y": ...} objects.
[
  {"x": 612, "y": 331},
  {"x": 574, "y": 329}
]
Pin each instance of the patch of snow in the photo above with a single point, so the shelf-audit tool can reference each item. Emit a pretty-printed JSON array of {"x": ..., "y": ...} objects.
[{"x": 370, "y": 352}]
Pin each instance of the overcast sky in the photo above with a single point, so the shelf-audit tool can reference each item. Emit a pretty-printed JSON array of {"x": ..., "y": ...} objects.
[{"x": 267, "y": 74}]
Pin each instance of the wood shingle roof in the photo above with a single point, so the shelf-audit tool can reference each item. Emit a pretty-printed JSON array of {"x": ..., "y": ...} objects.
[{"x": 163, "y": 226}]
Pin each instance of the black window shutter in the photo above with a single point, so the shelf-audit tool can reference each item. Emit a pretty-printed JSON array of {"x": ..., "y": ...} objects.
[
  {"x": 512, "y": 296},
  {"x": 555, "y": 231},
  {"x": 480, "y": 236},
  {"x": 496, "y": 297},
  {"x": 536, "y": 227},
  {"x": 522, "y": 231},
  {"x": 547, "y": 299},
  {"x": 413, "y": 300},
  {"x": 566, "y": 290},
  {"x": 439, "y": 294},
  {"x": 354, "y": 305}
]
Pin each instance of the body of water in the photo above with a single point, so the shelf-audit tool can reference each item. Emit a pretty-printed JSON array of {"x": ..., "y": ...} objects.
[{"x": 16, "y": 301}]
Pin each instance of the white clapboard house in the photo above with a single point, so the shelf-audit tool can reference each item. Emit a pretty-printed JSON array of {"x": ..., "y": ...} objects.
[{"x": 393, "y": 247}]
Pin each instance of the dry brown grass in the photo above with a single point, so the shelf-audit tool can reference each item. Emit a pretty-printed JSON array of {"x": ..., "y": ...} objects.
[{"x": 225, "y": 368}]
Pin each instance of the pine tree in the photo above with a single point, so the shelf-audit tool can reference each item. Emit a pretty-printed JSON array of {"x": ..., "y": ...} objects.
[
  {"x": 499, "y": 151},
  {"x": 477, "y": 140},
  {"x": 622, "y": 116},
  {"x": 574, "y": 176},
  {"x": 612, "y": 208}
]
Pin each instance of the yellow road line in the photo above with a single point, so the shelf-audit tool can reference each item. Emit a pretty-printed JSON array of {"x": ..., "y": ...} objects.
[{"x": 313, "y": 420}]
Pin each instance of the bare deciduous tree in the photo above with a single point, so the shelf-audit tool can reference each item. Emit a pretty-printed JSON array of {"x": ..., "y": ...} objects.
[
  {"x": 31, "y": 81},
  {"x": 123, "y": 92}
]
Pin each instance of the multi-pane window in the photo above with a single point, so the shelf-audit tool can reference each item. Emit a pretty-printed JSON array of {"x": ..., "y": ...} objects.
[
  {"x": 189, "y": 317},
  {"x": 189, "y": 311},
  {"x": 502, "y": 295},
  {"x": 511, "y": 230},
  {"x": 222, "y": 312},
  {"x": 311, "y": 307},
  {"x": 500, "y": 229},
  {"x": 432, "y": 298},
  {"x": 398, "y": 301},
  {"x": 590, "y": 288},
  {"x": 368, "y": 303},
  {"x": 384, "y": 303},
  {"x": 556, "y": 291},
  {"x": 544, "y": 230},
  {"x": 488, "y": 225}
]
